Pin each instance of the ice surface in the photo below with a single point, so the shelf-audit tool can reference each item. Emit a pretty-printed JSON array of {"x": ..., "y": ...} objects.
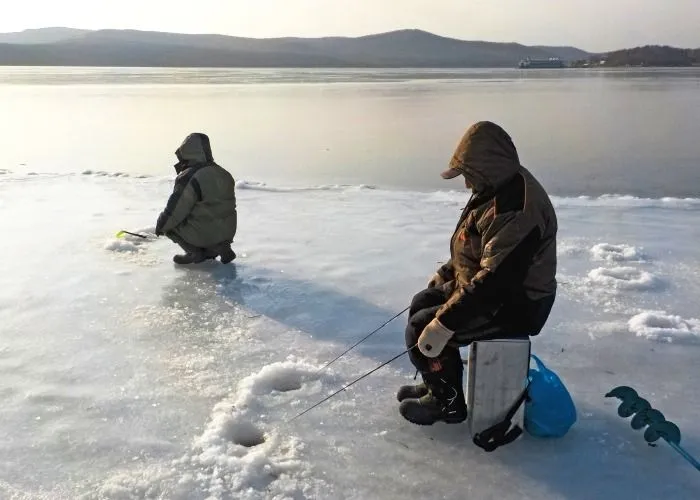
[{"x": 126, "y": 377}]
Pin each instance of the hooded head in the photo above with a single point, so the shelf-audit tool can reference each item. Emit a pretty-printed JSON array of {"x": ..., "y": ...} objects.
[
  {"x": 486, "y": 157},
  {"x": 194, "y": 150}
]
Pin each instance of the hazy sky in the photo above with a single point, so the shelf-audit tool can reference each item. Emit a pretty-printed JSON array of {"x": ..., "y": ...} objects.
[{"x": 595, "y": 25}]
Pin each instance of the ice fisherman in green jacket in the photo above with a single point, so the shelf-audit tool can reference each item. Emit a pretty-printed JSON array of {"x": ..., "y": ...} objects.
[{"x": 200, "y": 215}]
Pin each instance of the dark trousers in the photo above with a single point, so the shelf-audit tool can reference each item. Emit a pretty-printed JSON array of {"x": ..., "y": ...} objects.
[{"x": 448, "y": 365}]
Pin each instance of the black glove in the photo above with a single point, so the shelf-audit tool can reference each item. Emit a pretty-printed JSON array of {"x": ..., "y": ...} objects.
[{"x": 159, "y": 225}]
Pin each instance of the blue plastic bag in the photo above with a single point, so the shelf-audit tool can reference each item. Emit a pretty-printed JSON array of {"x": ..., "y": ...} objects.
[{"x": 549, "y": 409}]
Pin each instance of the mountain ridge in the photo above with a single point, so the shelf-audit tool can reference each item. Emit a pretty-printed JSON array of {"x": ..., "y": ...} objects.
[{"x": 400, "y": 48}]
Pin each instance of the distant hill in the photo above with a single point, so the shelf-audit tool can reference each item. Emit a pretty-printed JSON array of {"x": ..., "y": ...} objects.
[
  {"x": 647, "y": 56},
  {"x": 404, "y": 48},
  {"x": 42, "y": 35}
]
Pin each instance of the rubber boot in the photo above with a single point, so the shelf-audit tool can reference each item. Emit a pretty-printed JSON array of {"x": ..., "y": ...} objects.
[
  {"x": 412, "y": 392},
  {"x": 444, "y": 401},
  {"x": 190, "y": 258},
  {"x": 226, "y": 253}
]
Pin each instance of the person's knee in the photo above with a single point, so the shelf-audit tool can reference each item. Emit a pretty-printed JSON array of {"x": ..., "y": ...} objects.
[
  {"x": 417, "y": 301},
  {"x": 413, "y": 329},
  {"x": 182, "y": 243},
  {"x": 429, "y": 297},
  {"x": 411, "y": 335}
]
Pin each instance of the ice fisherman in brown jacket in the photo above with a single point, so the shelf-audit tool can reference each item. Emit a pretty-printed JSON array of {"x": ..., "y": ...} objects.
[{"x": 499, "y": 282}]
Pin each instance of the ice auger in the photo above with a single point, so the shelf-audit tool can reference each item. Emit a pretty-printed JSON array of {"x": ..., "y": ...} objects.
[{"x": 646, "y": 416}]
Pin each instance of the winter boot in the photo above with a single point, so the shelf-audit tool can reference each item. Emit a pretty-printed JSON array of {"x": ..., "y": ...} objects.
[
  {"x": 444, "y": 401},
  {"x": 226, "y": 252},
  {"x": 190, "y": 258},
  {"x": 412, "y": 392}
]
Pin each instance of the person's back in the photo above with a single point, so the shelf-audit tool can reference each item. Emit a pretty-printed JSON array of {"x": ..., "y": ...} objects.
[
  {"x": 539, "y": 285},
  {"x": 201, "y": 214}
]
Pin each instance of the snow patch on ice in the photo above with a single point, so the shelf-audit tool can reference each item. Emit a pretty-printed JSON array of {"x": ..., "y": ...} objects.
[
  {"x": 134, "y": 247},
  {"x": 617, "y": 253},
  {"x": 571, "y": 247},
  {"x": 626, "y": 201},
  {"x": 262, "y": 186},
  {"x": 278, "y": 377},
  {"x": 239, "y": 455},
  {"x": 125, "y": 486},
  {"x": 624, "y": 278},
  {"x": 102, "y": 173},
  {"x": 236, "y": 459},
  {"x": 659, "y": 325},
  {"x": 121, "y": 246}
]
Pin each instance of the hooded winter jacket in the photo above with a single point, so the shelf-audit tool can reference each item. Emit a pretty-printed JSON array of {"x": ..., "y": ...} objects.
[
  {"x": 503, "y": 251},
  {"x": 202, "y": 208}
]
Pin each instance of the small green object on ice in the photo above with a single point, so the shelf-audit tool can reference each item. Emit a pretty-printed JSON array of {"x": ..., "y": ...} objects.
[{"x": 121, "y": 234}]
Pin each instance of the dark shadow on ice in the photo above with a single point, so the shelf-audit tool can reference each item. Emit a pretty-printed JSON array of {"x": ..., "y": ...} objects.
[
  {"x": 601, "y": 457},
  {"x": 320, "y": 311},
  {"x": 196, "y": 285}
]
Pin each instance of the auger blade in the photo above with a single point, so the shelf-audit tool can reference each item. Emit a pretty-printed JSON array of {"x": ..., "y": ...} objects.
[
  {"x": 622, "y": 392},
  {"x": 631, "y": 406},
  {"x": 666, "y": 430}
]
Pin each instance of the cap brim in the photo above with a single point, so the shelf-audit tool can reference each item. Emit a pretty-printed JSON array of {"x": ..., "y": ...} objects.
[{"x": 450, "y": 173}]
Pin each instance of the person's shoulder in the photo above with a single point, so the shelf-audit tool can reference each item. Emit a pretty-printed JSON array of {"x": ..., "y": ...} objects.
[
  {"x": 212, "y": 167},
  {"x": 189, "y": 174},
  {"x": 221, "y": 172},
  {"x": 183, "y": 174},
  {"x": 530, "y": 178}
]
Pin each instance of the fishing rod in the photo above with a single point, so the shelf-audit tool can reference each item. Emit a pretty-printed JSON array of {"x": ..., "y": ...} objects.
[
  {"x": 361, "y": 340},
  {"x": 350, "y": 384}
]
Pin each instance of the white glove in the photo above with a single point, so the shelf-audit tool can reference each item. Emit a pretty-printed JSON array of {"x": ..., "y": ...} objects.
[{"x": 434, "y": 338}]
